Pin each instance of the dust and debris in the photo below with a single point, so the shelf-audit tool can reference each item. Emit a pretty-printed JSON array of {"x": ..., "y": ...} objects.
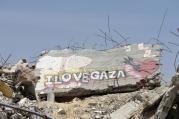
[{"x": 140, "y": 100}]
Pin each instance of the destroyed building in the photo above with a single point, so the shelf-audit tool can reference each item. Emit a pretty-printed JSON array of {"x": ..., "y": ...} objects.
[{"x": 118, "y": 83}]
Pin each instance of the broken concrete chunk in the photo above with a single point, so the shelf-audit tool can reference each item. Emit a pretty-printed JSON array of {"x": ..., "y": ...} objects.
[
  {"x": 61, "y": 111},
  {"x": 137, "y": 105},
  {"x": 16, "y": 116},
  {"x": 3, "y": 115},
  {"x": 166, "y": 103},
  {"x": 88, "y": 72}
]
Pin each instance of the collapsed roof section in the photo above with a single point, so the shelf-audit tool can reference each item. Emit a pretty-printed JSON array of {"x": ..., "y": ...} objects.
[{"x": 64, "y": 71}]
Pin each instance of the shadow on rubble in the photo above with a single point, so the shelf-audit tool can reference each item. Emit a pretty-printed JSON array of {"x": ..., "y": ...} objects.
[
  {"x": 83, "y": 93},
  {"x": 173, "y": 113}
]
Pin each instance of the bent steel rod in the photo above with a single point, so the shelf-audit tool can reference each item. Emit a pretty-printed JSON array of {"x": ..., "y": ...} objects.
[{"x": 24, "y": 110}]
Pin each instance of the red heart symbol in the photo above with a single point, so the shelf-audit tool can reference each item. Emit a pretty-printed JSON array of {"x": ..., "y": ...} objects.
[{"x": 146, "y": 68}]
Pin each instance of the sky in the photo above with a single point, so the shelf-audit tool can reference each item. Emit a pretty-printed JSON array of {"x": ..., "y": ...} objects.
[{"x": 28, "y": 27}]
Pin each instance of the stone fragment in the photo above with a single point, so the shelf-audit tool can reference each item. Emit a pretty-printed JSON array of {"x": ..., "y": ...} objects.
[{"x": 61, "y": 112}]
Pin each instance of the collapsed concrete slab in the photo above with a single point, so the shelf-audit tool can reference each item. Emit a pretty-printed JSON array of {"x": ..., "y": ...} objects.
[
  {"x": 87, "y": 71},
  {"x": 166, "y": 103},
  {"x": 139, "y": 103}
]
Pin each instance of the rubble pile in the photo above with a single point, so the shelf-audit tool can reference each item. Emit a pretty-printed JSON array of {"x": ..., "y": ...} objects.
[
  {"x": 65, "y": 85},
  {"x": 139, "y": 104},
  {"x": 133, "y": 105},
  {"x": 110, "y": 106},
  {"x": 17, "y": 92},
  {"x": 12, "y": 113}
]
